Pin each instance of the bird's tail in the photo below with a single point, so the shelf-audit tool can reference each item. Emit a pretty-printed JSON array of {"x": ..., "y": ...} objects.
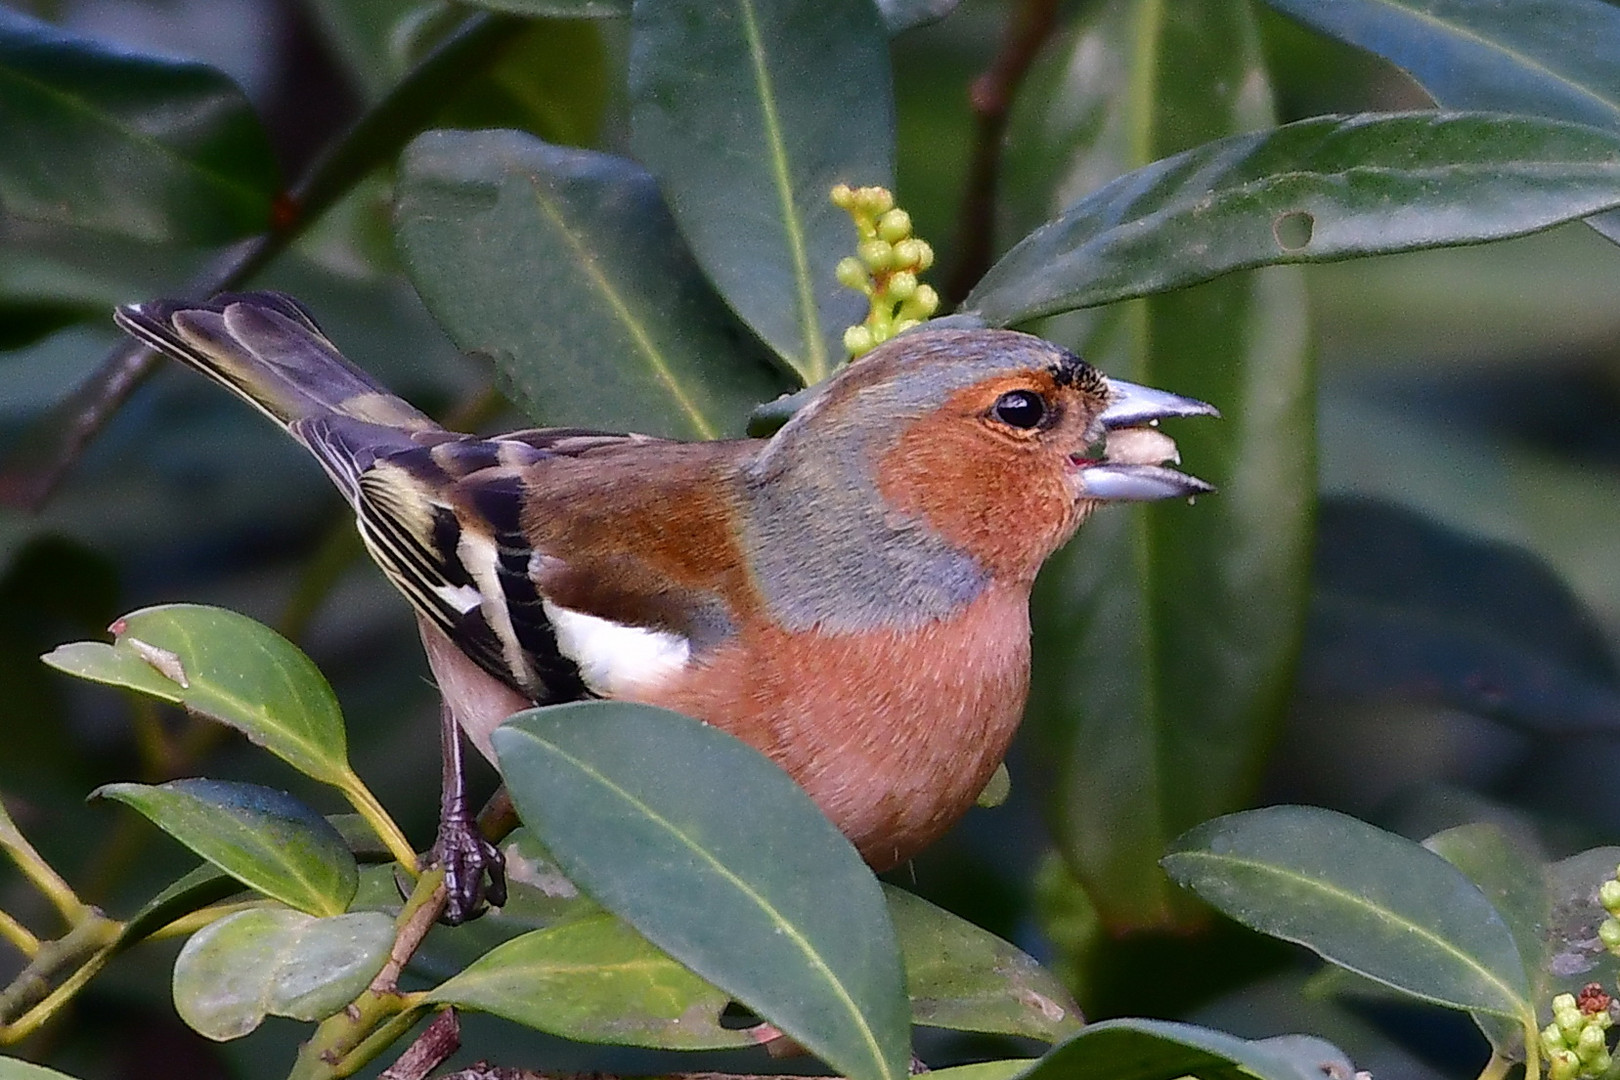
[{"x": 267, "y": 349}]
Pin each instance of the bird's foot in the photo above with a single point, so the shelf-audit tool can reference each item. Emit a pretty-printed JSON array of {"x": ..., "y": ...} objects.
[{"x": 474, "y": 869}]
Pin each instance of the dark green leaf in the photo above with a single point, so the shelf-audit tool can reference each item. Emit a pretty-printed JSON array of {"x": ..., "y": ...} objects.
[
  {"x": 1312, "y": 191},
  {"x": 203, "y": 885},
  {"x": 901, "y": 15},
  {"x": 1575, "y": 955},
  {"x": 560, "y": 9},
  {"x": 596, "y": 980},
  {"x": 1509, "y": 871},
  {"x": 234, "y": 670},
  {"x": 609, "y": 323},
  {"x": 1367, "y": 900},
  {"x": 101, "y": 138},
  {"x": 967, "y": 979},
  {"x": 748, "y": 113},
  {"x": 263, "y": 962},
  {"x": 1161, "y": 1050},
  {"x": 1408, "y": 608},
  {"x": 1005, "y": 1069},
  {"x": 265, "y": 839},
  {"x": 717, "y": 857},
  {"x": 1165, "y": 636}
]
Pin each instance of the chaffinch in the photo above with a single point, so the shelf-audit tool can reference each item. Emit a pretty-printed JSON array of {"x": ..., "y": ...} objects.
[{"x": 849, "y": 596}]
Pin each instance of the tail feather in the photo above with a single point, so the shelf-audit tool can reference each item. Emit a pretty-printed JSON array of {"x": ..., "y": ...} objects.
[{"x": 265, "y": 347}]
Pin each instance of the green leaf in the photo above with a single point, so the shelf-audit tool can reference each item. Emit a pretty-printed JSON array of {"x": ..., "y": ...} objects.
[
  {"x": 717, "y": 857},
  {"x": 1509, "y": 871},
  {"x": 610, "y": 323},
  {"x": 1165, "y": 636},
  {"x": 748, "y": 113},
  {"x": 1408, "y": 608},
  {"x": 1556, "y": 61},
  {"x": 264, "y": 838},
  {"x": 596, "y": 980},
  {"x": 263, "y": 962},
  {"x": 193, "y": 891},
  {"x": 1311, "y": 191},
  {"x": 235, "y": 671},
  {"x": 961, "y": 977},
  {"x": 1005, "y": 1069},
  {"x": 1574, "y": 955},
  {"x": 13, "y": 1069},
  {"x": 1161, "y": 1050},
  {"x": 95, "y": 136},
  {"x": 901, "y": 15},
  {"x": 1365, "y": 899}
]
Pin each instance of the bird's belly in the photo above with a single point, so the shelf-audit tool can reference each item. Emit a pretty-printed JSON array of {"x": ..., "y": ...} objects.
[{"x": 892, "y": 734}]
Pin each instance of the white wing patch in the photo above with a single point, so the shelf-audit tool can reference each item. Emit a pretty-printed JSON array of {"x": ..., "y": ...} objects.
[
  {"x": 463, "y": 598},
  {"x": 613, "y": 657}
]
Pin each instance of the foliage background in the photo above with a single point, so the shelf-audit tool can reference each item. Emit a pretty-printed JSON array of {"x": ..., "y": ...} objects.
[{"x": 1474, "y": 388}]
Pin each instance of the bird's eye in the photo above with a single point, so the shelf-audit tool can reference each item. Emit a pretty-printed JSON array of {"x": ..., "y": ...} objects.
[{"x": 1020, "y": 409}]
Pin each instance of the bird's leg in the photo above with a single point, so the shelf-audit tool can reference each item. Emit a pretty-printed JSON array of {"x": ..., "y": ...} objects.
[{"x": 460, "y": 848}]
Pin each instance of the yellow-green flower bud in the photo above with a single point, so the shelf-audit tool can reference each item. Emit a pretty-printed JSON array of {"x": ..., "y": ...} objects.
[
  {"x": 925, "y": 255},
  {"x": 1590, "y": 1044},
  {"x": 1552, "y": 1040},
  {"x": 858, "y": 340},
  {"x": 1570, "y": 1024},
  {"x": 878, "y": 255},
  {"x": 852, "y": 274},
  {"x": 843, "y": 196},
  {"x": 894, "y": 225},
  {"x": 902, "y": 285},
  {"x": 1609, "y": 896},
  {"x": 1563, "y": 1065},
  {"x": 902, "y": 325},
  {"x": 905, "y": 252},
  {"x": 923, "y": 303},
  {"x": 874, "y": 200},
  {"x": 1609, "y": 934}
]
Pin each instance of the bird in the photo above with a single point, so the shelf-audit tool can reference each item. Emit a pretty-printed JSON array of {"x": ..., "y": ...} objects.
[{"x": 850, "y": 596}]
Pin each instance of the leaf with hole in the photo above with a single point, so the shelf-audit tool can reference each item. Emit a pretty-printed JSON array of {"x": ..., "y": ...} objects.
[
  {"x": 717, "y": 857},
  {"x": 264, "y": 838}
]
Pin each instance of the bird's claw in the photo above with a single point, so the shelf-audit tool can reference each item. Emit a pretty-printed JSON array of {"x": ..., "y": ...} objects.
[{"x": 468, "y": 860}]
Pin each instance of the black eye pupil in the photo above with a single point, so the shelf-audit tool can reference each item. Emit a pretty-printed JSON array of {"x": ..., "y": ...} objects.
[{"x": 1020, "y": 409}]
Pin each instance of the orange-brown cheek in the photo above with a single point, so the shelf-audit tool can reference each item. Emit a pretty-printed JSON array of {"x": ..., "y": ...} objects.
[{"x": 1008, "y": 505}]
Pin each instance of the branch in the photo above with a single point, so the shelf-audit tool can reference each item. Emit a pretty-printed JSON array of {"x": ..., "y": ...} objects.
[
  {"x": 991, "y": 98},
  {"x": 54, "y": 443}
]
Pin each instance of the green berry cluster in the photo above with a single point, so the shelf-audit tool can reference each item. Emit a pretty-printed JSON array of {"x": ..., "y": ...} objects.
[
  {"x": 1609, "y": 929},
  {"x": 884, "y": 268},
  {"x": 1576, "y": 1043}
]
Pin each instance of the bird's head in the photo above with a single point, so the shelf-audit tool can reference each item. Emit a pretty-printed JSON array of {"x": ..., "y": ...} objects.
[{"x": 1000, "y": 442}]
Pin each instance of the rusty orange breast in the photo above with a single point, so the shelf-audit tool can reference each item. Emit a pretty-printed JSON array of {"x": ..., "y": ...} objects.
[{"x": 892, "y": 734}]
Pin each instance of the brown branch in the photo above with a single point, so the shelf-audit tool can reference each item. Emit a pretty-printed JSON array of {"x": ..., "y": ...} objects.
[
  {"x": 438, "y": 1041},
  {"x": 991, "y": 97}
]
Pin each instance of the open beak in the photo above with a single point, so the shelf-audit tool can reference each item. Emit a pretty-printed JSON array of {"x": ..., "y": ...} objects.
[{"x": 1133, "y": 467}]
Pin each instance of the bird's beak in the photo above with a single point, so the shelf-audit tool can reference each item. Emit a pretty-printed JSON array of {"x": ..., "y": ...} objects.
[{"x": 1132, "y": 468}]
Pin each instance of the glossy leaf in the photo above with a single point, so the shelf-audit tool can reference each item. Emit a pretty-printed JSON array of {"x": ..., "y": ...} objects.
[
  {"x": 1311, "y": 191},
  {"x": 748, "y": 113},
  {"x": 235, "y": 670},
  {"x": 596, "y": 980},
  {"x": 193, "y": 891},
  {"x": 1367, "y": 900},
  {"x": 1408, "y": 608},
  {"x": 901, "y": 15},
  {"x": 1162, "y": 1050},
  {"x": 233, "y": 973},
  {"x": 1575, "y": 955},
  {"x": 610, "y": 323},
  {"x": 961, "y": 977},
  {"x": 640, "y": 808},
  {"x": 266, "y": 839},
  {"x": 1509, "y": 871},
  {"x": 15, "y": 1069},
  {"x": 101, "y": 138},
  {"x": 1165, "y": 635}
]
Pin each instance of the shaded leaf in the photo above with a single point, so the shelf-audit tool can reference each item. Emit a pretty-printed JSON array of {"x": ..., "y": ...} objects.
[
  {"x": 901, "y": 15},
  {"x": 1575, "y": 955},
  {"x": 1161, "y": 1050},
  {"x": 1165, "y": 636},
  {"x": 1311, "y": 191},
  {"x": 961, "y": 977},
  {"x": 266, "y": 839},
  {"x": 263, "y": 962},
  {"x": 748, "y": 113},
  {"x": 596, "y": 980},
  {"x": 95, "y": 136},
  {"x": 610, "y": 323},
  {"x": 236, "y": 671},
  {"x": 195, "y": 890},
  {"x": 560, "y": 9},
  {"x": 15, "y": 1069},
  {"x": 1365, "y": 899},
  {"x": 639, "y": 806},
  {"x": 1406, "y": 607}
]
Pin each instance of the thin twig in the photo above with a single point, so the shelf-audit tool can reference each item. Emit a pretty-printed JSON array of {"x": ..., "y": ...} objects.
[
  {"x": 991, "y": 97},
  {"x": 437, "y": 1042}
]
